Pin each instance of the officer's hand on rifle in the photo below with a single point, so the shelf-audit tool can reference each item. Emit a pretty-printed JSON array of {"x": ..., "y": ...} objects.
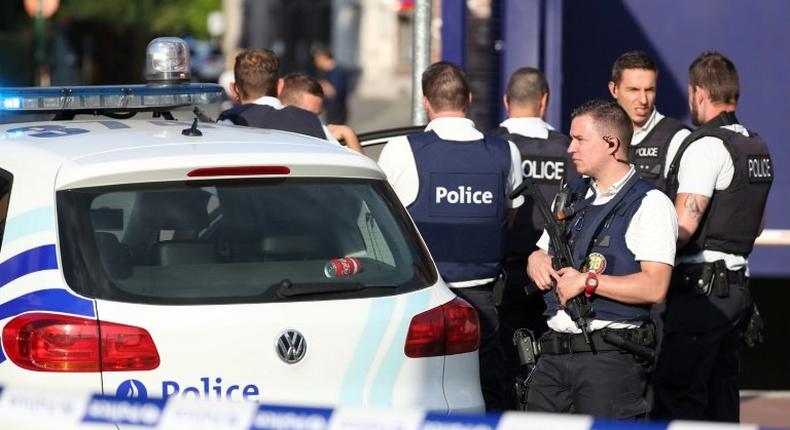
[
  {"x": 570, "y": 284},
  {"x": 540, "y": 270}
]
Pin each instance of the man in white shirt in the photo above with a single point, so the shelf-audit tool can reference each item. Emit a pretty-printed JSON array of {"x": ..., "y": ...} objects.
[
  {"x": 255, "y": 89},
  {"x": 633, "y": 85},
  {"x": 719, "y": 180},
  {"x": 455, "y": 184},
  {"x": 623, "y": 234},
  {"x": 545, "y": 161}
]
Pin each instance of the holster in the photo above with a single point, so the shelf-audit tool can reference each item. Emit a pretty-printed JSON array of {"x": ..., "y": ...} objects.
[{"x": 706, "y": 278}]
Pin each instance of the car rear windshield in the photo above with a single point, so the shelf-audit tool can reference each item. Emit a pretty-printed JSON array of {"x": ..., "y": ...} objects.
[{"x": 240, "y": 241}]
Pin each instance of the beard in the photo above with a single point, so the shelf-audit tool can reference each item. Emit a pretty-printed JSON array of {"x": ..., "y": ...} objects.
[{"x": 695, "y": 119}]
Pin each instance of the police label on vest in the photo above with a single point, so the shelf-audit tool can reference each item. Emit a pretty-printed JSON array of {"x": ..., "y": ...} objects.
[
  {"x": 646, "y": 152},
  {"x": 760, "y": 168},
  {"x": 464, "y": 195},
  {"x": 544, "y": 170}
]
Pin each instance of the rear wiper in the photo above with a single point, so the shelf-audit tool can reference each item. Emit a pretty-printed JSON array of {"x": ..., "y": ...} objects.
[{"x": 286, "y": 288}]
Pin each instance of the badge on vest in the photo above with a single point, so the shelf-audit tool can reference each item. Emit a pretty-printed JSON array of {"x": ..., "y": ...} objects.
[
  {"x": 596, "y": 262},
  {"x": 544, "y": 170},
  {"x": 760, "y": 168}
]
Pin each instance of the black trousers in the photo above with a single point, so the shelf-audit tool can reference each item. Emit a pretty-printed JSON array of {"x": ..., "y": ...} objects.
[
  {"x": 517, "y": 310},
  {"x": 697, "y": 371},
  {"x": 608, "y": 384},
  {"x": 490, "y": 353}
]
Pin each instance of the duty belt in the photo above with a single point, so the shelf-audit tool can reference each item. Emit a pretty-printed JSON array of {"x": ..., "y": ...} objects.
[{"x": 641, "y": 339}]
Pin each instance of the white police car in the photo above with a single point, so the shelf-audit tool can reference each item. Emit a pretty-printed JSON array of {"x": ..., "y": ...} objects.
[{"x": 150, "y": 257}]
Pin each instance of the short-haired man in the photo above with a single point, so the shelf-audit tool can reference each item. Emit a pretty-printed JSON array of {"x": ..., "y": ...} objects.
[
  {"x": 623, "y": 234},
  {"x": 302, "y": 91},
  {"x": 429, "y": 171},
  {"x": 305, "y": 92},
  {"x": 544, "y": 160},
  {"x": 255, "y": 89},
  {"x": 633, "y": 85},
  {"x": 719, "y": 180}
]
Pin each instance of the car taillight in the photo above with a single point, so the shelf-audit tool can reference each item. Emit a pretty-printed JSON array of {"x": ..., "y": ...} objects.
[
  {"x": 63, "y": 343},
  {"x": 452, "y": 328}
]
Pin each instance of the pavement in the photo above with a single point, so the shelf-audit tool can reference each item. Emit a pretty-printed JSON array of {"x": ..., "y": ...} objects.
[{"x": 371, "y": 114}]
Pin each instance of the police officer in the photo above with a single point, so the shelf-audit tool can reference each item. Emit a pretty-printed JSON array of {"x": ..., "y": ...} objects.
[
  {"x": 544, "y": 160},
  {"x": 455, "y": 183},
  {"x": 719, "y": 181},
  {"x": 633, "y": 85},
  {"x": 305, "y": 92},
  {"x": 624, "y": 230},
  {"x": 255, "y": 89}
]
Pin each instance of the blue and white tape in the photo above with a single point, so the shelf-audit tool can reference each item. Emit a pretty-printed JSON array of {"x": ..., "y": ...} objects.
[{"x": 29, "y": 409}]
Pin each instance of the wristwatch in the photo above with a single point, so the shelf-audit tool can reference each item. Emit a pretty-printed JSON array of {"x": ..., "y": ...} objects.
[{"x": 590, "y": 284}]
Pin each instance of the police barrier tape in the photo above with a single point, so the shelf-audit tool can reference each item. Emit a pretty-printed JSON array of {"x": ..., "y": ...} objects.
[{"x": 29, "y": 409}]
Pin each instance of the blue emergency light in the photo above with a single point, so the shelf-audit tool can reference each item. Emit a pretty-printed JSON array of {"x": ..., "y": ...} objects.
[
  {"x": 111, "y": 97},
  {"x": 167, "y": 72}
]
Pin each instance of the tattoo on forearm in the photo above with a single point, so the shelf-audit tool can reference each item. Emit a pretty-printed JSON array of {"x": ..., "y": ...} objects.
[{"x": 692, "y": 207}]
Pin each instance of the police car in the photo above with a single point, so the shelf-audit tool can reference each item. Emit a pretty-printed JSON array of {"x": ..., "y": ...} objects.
[{"x": 152, "y": 257}]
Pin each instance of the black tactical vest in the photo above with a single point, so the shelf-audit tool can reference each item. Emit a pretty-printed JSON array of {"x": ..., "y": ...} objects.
[
  {"x": 650, "y": 154},
  {"x": 732, "y": 221},
  {"x": 289, "y": 118},
  {"x": 546, "y": 162}
]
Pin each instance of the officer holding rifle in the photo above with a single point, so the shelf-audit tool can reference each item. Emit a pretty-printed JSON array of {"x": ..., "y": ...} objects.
[{"x": 620, "y": 235}]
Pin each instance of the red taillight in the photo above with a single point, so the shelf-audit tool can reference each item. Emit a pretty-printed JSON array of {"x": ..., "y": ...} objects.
[
  {"x": 452, "y": 328},
  {"x": 63, "y": 343},
  {"x": 239, "y": 171}
]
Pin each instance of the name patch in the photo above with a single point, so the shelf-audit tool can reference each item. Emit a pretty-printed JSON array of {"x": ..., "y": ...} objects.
[
  {"x": 760, "y": 168},
  {"x": 544, "y": 170}
]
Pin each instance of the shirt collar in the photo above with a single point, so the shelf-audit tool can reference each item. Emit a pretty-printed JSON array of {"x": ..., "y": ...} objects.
[
  {"x": 454, "y": 128},
  {"x": 651, "y": 122},
  {"x": 528, "y": 127},
  {"x": 615, "y": 187},
  {"x": 269, "y": 101}
]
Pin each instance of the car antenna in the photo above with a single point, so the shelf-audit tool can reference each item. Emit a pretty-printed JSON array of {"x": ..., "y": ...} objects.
[{"x": 193, "y": 130}]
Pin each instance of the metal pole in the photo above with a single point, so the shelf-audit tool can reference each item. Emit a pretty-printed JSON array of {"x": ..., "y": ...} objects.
[
  {"x": 422, "y": 57},
  {"x": 39, "y": 54}
]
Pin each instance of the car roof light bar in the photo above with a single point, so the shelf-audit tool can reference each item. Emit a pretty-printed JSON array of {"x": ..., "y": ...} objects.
[{"x": 110, "y": 97}]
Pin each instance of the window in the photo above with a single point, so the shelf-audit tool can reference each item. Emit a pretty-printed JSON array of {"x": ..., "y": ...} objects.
[{"x": 239, "y": 241}]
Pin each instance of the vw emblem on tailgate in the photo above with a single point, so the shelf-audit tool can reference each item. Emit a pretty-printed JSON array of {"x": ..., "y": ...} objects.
[{"x": 291, "y": 346}]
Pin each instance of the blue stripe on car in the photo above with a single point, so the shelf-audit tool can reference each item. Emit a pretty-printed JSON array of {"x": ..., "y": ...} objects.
[
  {"x": 352, "y": 391},
  {"x": 384, "y": 382},
  {"x": 33, "y": 221},
  {"x": 30, "y": 261}
]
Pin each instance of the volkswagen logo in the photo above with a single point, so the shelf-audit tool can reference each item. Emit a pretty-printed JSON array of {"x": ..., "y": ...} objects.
[{"x": 291, "y": 346}]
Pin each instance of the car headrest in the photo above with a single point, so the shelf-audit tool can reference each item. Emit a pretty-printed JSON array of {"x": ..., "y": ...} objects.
[{"x": 175, "y": 210}]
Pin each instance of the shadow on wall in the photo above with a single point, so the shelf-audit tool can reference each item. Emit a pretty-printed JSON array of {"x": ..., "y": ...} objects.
[{"x": 588, "y": 54}]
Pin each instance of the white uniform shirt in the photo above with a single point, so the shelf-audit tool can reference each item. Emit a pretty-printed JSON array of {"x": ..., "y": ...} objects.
[
  {"x": 674, "y": 143},
  {"x": 707, "y": 166},
  {"x": 532, "y": 127},
  {"x": 397, "y": 162},
  {"x": 277, "y": 104},
  {"x": 651, "y": 236}
]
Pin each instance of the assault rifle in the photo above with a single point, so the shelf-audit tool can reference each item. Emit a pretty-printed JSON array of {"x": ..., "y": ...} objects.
[{"x": 577, "y": 307}]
